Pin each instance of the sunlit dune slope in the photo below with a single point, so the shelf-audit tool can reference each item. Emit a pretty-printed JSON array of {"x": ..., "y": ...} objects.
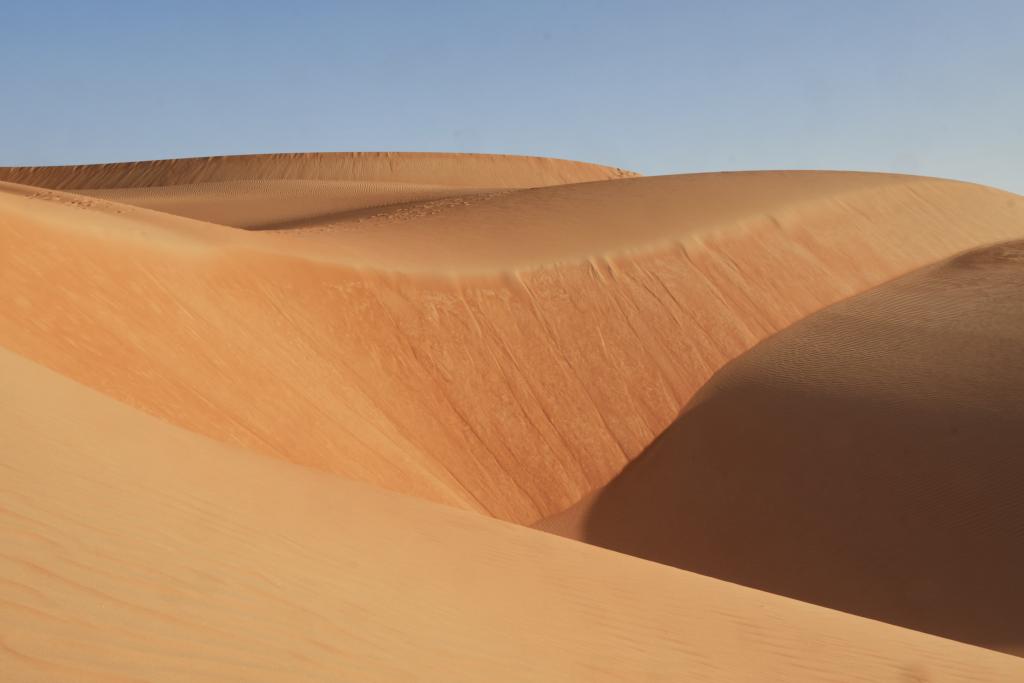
[
  {"x": 134, "y": 550},
  {"x": 571, "y": 224},
  {"x": 507, "y": 355},
  {"x": 868, "y": 458},
  {"x": 261, "y": 190}
]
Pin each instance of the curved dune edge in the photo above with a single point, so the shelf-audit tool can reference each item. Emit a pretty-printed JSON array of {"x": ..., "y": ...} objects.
[
  {"x": 513, "y": 391},
  {"x": 276, "y": 204},
  {"x": 265, "y": 190},
  {"x": 437, "y": 168},
  {"x": 869, "y": 458},
  {"x": 134, "y": 549}
]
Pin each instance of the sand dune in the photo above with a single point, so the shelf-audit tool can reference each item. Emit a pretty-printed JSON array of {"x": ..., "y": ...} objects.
[
  {"x": 134, "y": 550},
  {"x": 506, "y": 353},
  {"x": 509, "y": 336},
  {"x": 868, "y": 458},
  {"x": 456, "y": 170},
  {"x": 264, "y": 190}
]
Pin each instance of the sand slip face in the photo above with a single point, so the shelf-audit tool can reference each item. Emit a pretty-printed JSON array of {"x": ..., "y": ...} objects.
[
  {"x": 506, "y": 353},
  {"x": 132, "y": 550},
  {"x": 868, "y": 458}
]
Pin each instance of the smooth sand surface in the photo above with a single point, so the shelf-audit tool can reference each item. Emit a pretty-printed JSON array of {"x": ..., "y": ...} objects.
[
  {"x": 133, "y": 550},
  {"x": 266, "y": 190},
  {"x": 506, "y": 353},
  {"x": 194, "y": 349},
  {"x": 432, "y": 168},
  {"x": 869, "y": 458}
]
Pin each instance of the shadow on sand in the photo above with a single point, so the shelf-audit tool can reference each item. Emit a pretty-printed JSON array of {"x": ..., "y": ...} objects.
[{"x": 869, "y": 459}]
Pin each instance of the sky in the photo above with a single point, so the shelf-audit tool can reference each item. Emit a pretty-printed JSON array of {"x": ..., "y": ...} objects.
[{"x": 927, "y": 87}]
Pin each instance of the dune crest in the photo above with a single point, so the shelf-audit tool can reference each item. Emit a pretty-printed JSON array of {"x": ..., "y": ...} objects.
[
  {"x": 131, "y": 549},
  {"x": 507, "y": 355}
]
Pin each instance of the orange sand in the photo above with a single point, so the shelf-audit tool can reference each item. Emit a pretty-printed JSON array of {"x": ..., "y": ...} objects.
[
  {"x": 504, "y": 335},
  {"x": 868, "y": 458},
  {"x": 134, "y": 550},
  {"x": 506, "y": 356}
]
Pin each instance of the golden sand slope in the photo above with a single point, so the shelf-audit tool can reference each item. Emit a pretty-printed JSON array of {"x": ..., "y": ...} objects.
[
  {"x": 263, "y": 190},
  {"x": 506, "y": 355},
  {"x": 134, "y": 550},
  {"x": 868, "y": 458}
]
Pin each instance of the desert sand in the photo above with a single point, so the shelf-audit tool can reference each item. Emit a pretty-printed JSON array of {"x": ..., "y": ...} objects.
[
  {"x": 135, "y": 550},
  {"x": 869, "y": 458},
  {"x": 506, "y": 356},
  {"x": 223, "y": 347},
  {"x": 267, "y": 190}
]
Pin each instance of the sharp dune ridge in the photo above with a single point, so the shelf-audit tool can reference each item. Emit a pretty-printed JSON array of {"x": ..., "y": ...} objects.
[
  {"x": 135, "y": 550},
  {"x": 500, "y": 334}
]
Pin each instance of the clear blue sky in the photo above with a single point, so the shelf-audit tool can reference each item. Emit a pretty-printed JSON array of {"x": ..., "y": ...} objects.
[{"x": 927, "y": 86}]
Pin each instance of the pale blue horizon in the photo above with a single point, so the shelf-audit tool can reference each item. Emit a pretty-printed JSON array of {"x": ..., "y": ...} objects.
[{"x": 929, "y": 88}]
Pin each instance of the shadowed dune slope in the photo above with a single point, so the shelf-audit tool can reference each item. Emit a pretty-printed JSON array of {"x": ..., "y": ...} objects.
[
  {"x": 507, "y": 356},
  {"x": 869, "y": 458},
  {"x": 263, "y": 190},
  {"x": 134, "y": 550}
]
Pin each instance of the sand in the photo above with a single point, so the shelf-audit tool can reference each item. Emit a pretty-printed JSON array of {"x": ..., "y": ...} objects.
[
  {"x": 869, "y": 458},
  {"x": 266, "y": 190},
  {"x": 237, "y": 389},
  {"x": 131, "y": 549},
  {"x": 506, "y": 356}
]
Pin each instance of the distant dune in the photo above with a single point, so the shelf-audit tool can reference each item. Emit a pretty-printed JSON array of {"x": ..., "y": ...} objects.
[
  {"x": 804, "y": 382},
  {"x": 507, "y": 355},
  {"x": 430, "y": 168},
  {"x": 869, "y": 458},
  {"x": 265, "y": 190},
  {"x": 134, "y": 550}
]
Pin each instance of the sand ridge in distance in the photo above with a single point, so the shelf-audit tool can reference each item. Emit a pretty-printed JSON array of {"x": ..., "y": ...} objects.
[
  {"x": 507, "y": 355},
  {"x": 263, "y": 190},
  {"x": 434, "y": 168},
  {"x": 868, "y": 458},
  {"x": 131, "y": 549}
]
